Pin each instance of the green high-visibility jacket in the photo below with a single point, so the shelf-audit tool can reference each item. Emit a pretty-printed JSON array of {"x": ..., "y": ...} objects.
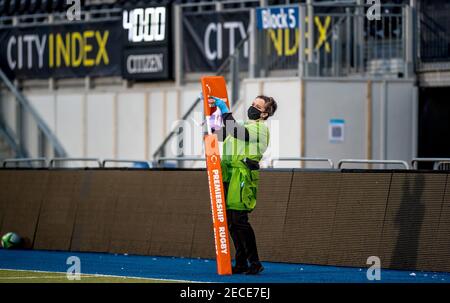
[{"x": 243, "y": 182}]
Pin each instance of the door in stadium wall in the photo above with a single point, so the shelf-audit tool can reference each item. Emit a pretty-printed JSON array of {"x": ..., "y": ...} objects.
[{"x": 434, "y": 126}]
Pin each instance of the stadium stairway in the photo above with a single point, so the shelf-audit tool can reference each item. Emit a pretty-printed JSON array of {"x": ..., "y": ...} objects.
[
  {"x": 5, "y": 149},
  {"x": 13, "y": 134}
]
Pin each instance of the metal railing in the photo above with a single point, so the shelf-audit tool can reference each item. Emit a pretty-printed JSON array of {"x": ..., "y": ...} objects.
[
  {"x": 329, "y": 161},
  {"x": 39, "y": 19},
  {"x": 383, "y": 162},
  {"x": 443, "y": 165},
  {"x": 162, "y": 160},
  {"x": 434, "y": 28},
  {"x": 54, "y": 161},
  {"x": 143, "y": 164},
  {"x": 27, "y": 161},
  {"x": 47, "y": 144},
  {"x": 437, "y": 162},
  {"x": 135, "y": 163},
  {"x": 338, "y": 40}
]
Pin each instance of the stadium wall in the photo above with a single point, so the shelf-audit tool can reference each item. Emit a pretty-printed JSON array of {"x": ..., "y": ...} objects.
[
  {"x": 130, "y": 123},
  {"x": 314, "y": 217}
]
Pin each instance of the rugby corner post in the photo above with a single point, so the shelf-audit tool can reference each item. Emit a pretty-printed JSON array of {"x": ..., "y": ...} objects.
[{"x": 216, "y": 86}]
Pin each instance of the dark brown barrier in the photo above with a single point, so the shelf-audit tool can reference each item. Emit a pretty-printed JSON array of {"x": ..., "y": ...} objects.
[
  {"x": 441, "y": 247},
  {"x": 137, "y": 199},
  {"x": 183, "y": 194},
  {"x": 335, "y": 218},
  {"x": 5, "y": 193},
  {"x": 95, "y": 202},
  {"x": 203, "y": 236},
  {"x": 358, "y": 220},
  {"x": 58, "y": 211},
  {"x": 412, "y": 221},
  {"x": 22, "y": 195},
  {"x": 310, "y": 215},
  {"x": 270, "y": 212}
]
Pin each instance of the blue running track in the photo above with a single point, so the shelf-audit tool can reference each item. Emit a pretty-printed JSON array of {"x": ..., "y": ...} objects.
[{"x": 201, "y": 270}]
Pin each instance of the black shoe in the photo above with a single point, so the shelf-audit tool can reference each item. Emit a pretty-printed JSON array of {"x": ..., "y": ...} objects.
[
  {"x": 255, "y": 269},
  {"x": 239, "y": 269}
]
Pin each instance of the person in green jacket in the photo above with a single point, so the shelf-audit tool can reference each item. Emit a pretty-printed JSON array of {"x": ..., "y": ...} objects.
[{"x": 243, "y": 147}]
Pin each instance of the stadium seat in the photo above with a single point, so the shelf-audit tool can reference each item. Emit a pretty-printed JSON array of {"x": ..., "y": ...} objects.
[
  {"x": 128, "y": 4},
  {"x": 96, "y": 7},
  {"x": 144, "y": 3},
  {"x": 117, "y": 4},
  {"x": 34, "y": 6},
  {"x": 121, "y": 2},
  {"x": 58, "y": 5},
  {"x": 3, "y": 7},
  {"x": 45, "y": 6},
  {"x": 23, "y": 6},
  {"x": 251, "y": 4},
  {"x": 13, "y": 7}
]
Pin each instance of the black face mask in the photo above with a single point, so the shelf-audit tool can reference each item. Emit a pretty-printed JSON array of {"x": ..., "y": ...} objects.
[{"x": 253, "y": 113}]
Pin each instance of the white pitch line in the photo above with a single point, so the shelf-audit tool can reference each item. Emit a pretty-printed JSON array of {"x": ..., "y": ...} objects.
[
  {"x": 21, "y": 278},
  {"x": 100, "y": 275}
]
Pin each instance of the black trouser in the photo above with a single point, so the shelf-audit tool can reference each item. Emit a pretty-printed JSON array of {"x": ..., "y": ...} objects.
[{"x": 243, "y": 236}]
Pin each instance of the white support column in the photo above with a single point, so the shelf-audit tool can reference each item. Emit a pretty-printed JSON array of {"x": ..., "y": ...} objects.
[
  {"x": 301, "y": 49},
  {"x": 178, "y": 43},
  {"x": 252, "y": 38}
]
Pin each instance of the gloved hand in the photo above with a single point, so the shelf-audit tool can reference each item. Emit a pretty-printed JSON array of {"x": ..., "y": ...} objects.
[{"x": 220, "y": 104}]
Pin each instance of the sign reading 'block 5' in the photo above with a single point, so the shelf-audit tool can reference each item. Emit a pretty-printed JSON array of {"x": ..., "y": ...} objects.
[{"x": 278, "y": 17}]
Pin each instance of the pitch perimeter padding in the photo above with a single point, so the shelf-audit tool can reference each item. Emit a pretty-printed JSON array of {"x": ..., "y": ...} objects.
[
  {"x": 181, "y": 195},
  {"x": 441, "y": 248},
  {"x": 138, "y": 200},
  {"x": 25, "y": 192},
  {"x": 96, "y": 202},
  {"x": 412, "y": 221},
  {"x": 269, "y": 215},
  {"x": 359, "y": 217},
  {"x": 310, "y": 217},
  {"x": 6, "y": 186},
  {"x": 58, "y": 211}
]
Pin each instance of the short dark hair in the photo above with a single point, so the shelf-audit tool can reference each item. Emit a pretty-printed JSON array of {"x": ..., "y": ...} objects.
[{"x": 270, "y": 105}]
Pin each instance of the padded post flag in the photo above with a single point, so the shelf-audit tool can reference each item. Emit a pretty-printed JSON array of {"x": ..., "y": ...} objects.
[{"x": 216, "y": 86}]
